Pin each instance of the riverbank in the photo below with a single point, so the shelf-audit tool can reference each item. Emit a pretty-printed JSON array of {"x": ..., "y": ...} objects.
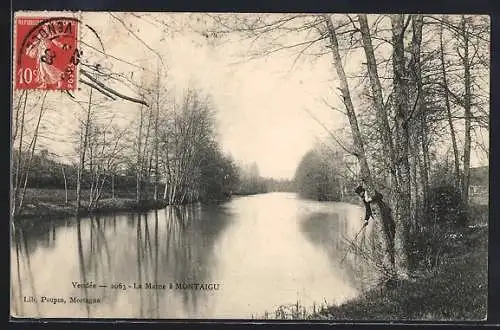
[
  {"x": 455, "y": 290},
  {"x": 51, "y": 203}
]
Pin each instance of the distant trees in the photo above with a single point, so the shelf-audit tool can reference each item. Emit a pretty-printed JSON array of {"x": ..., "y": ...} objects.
[
  {"x": 250, "y": 182},
  {"x": 326, "y": 173},
  {"x": 316, "y": 178},
  {"x": 280, "y": 185}
]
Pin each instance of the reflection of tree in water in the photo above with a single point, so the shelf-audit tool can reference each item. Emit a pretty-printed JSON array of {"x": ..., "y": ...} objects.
[
  {"x": 23, "y": 270},
  {"x": 191, "y": 234},
  {"x": 175, "y": 245},
  {"x": 41, "y": 236},
  {"x": 81, "y": 262},
  {"x": 131, "y": 219},
  {"x": 330, "y": 231}
]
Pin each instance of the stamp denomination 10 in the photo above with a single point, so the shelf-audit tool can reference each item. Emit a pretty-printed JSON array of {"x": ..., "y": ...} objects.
[{"x": 47, "y": 53}]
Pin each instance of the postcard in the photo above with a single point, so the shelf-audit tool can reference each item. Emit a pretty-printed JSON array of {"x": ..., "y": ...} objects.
[{"x": 221, "y": 166}]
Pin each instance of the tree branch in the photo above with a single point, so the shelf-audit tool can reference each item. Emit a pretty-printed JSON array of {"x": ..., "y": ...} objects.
[
  {"x": 112, "y": 91},
  {"x": 96, "y": 87},
  {"x": 137, "y": 37},
  {"x": 330, "y": 133}
]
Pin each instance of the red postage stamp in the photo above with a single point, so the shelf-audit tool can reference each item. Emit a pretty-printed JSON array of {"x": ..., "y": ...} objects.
[{"x": 46, "y": 53}]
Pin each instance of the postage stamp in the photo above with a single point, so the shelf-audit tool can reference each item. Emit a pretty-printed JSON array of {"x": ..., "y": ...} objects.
[{"x": 46, "y": 53}]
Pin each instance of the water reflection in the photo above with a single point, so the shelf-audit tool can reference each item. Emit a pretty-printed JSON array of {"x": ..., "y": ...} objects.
[
  {"x": 335, "y": 232},
  {"x": 263, "y": 250}
]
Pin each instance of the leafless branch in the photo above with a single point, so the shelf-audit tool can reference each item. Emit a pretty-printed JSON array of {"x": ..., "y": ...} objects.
[
  {"x": 83, "y": 81},
  {"x": 137, "y": 37},
  {"x": 330, "y": 133},
  {"x": 110, "y": 90},
  {"x": 333, "y": 107}
]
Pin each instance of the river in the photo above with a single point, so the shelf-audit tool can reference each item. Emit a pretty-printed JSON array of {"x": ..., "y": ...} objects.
[{"x": 241, "y": 259}]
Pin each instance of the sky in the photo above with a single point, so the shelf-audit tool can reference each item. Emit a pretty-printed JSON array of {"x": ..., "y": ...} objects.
[{"x": 260, "y": 103}]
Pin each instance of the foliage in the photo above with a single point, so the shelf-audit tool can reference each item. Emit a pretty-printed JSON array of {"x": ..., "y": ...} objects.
[
  {"x": 316, "y": 179},
  {"x": 218, "y": 177},
  {"x": 444, "y": 215},
  {"x": 250, "y": 182},
  {"x": 445, "y": 206}
]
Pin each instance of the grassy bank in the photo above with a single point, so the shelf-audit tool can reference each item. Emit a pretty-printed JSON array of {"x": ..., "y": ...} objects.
[
  {"x": 51, "y": 203},
  {"x": 455, "y": 290}
]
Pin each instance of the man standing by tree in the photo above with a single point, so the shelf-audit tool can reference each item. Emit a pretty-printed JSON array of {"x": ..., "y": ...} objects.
[{"x": 361, "y": 192}]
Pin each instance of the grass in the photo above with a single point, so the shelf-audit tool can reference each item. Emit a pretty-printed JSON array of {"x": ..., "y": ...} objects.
[
  {"x": 455, "y": 290},
  {"x": 40, "y": 204}
]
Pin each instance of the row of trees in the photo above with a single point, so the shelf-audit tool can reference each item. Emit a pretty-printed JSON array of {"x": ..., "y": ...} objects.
[
  {"x": 219, "y": 176},
  {"x": 159, "y": 141},
  {"x": 169, "y": 153},
  {"x": 173, "y": 156},
  {"x": 419, "y": 94}
]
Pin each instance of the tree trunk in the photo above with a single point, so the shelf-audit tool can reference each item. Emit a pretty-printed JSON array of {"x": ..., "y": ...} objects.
[
  {"x": 145, "y": 158},
  {"x": 403, "y": 193},
  {"x": 384, "y": 211},
  {"x": 139, "y": 161},
  {"x": 65, "y": 185},
  {"x": 19, "y": 158},
  {"x": 468, "y": 114},
  {"x": 82, "y": 155},
  {"x": 91, "y": 169},
  {"x": 376, "y": 87},
  {"x": 448, "y": 113},
  {"x": 33, "y": 146},
  {"x": 416, "y": 113},
  {"x": 16, "y": 118},
  {"x": 156, "y": 135},
  {"x": 113, "y": 185}
]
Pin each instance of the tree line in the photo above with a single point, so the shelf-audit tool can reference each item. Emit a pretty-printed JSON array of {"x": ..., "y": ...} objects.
[
  {"x": 168, "y": 154},
  {"x": 417, "y": 99}
]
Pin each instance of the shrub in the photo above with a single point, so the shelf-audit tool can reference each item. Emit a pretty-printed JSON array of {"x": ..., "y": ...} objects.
[
  {"x": 444, "y": 214},
  {"x": 445, "y": 207}
]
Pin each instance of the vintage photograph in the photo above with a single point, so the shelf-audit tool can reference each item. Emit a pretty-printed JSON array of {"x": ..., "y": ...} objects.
[{"x": 249, "y": 166}]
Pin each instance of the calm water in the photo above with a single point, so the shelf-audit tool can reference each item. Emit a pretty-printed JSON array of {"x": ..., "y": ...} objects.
[{"x": 258, "y": 252}]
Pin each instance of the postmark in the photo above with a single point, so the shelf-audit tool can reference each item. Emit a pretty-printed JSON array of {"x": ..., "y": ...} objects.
[{"x": 47, "y": 53}]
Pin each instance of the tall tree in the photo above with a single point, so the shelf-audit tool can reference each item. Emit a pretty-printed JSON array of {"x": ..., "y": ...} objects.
[
  {"x": 464, "y": 33},
  {"x": 446, "y": 95},
  {"x": 386, "y": 218},
  {"x": 83, "y": 149}
]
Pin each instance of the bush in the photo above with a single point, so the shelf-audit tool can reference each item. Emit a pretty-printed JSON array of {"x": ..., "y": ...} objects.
[
  {"x": 427, "y": 245},
  {"x": 445, "y": 207},
  {"x": 444, "y": 215}
]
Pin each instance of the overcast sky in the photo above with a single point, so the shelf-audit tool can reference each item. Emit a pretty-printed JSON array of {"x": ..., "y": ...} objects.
[{"x": 260, "y": 103}]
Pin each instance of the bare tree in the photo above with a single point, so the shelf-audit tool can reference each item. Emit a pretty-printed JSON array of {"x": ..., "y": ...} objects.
[
  {"x": 467, "y": 105},
  {"x": 83, "y": 150},
  {"x": 18, "y": 126},
  {"x": 32, "y": 147},
  {"x": 448, "y": 110}
]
